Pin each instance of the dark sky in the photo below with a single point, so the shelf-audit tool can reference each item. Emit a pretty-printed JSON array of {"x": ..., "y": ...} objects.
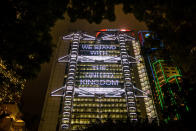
[{"x": 35, "y": 91}]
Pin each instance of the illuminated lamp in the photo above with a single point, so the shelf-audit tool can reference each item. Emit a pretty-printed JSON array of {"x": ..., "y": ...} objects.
[
  {"x": 100, "y": 31},
  {"x": 171, "y": 80},
  {"x": 153, "y": 48},
  {"x": 103, "y": 30},
  {"x": 124, "y": 30},
  {"x": 147, "y": 35}
]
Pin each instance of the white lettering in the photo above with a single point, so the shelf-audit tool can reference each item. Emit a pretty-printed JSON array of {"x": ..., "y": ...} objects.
[
  {"x": 99, "y": 67},
  {"x": 87, "y": 47},
  {"x": 98, "y": 52},
  {"x": 108, "y": 82},
  {"x": 99, "y": 75},
  {"x": 99, "y": 82},
  {"x": 102, "y": 82},
  {"x": 98, "y": 47}
]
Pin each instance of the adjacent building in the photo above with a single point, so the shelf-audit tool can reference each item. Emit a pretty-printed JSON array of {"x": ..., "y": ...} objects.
[{"x": 165, "y": 78}]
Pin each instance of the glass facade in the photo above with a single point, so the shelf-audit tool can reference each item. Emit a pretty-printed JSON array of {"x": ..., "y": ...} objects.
[
  {"x": 103, "y": 80},
  {"x": 88, "y": 110},
  {"x": 168, "y": 92},
  {"x": 98, "y": 77},
  {"x": 165, "y": 78}
]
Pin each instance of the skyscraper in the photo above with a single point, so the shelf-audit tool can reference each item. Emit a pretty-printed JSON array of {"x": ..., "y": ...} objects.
[
  {"x": 165, "y": 78},
  {"x": 105, "y": 77}
]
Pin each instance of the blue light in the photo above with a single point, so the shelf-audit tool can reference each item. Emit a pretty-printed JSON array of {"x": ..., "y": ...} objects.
[
  {"x": 151, "y": 67},
  {"x": 147, "y": 35},
  {"x": 153, "y": 48}
]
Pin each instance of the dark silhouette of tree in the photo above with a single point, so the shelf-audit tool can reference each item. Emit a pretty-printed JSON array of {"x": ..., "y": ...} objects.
[
  {"x": 175, "y": 23},
  {"x": 173, "y": 20},
  {"x": 25, "y": 38},
  {"x": 91, "y": 10},
  {"x": 25, "y": 41}
]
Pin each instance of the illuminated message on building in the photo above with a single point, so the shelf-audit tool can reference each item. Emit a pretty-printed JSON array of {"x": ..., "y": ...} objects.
[
  {"x": 99, "y": 82},
  {"x": 98, "y": 74},
  {"x": 98, "y": 52},
  {"x": 99, "y": 67},
  {"x": 98, "y": 47}
]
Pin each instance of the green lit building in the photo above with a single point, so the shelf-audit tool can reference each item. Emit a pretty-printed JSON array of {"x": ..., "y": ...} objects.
[{"x": 165, "y": 78}]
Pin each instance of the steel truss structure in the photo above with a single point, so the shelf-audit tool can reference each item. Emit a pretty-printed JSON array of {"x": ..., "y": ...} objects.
[{"x": 70, "y": 90}]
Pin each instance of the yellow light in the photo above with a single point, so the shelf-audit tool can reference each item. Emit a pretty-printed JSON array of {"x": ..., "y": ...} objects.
[{"x": 122, "y": 29}]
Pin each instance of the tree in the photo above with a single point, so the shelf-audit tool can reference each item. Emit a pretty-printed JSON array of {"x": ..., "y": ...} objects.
[
  {"x": 91, "y": 10},
  {"x": 25, "y": 42},
  {"x": 174, "y": 22}
]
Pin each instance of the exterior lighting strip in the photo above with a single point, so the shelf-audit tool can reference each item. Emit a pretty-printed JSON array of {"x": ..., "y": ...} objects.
[
  {"x": 158, "y": 87},
  {"x": 70, "y": 83},
  {"x": 166, "y": 81},
  {"x": 149, "y": 103},
  {"x": 130, "y": 95}
]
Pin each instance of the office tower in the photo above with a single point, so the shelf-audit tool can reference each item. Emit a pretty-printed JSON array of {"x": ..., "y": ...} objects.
[
  {"x": 165, "y": 78},
  {"x": 105, "y": 78}
]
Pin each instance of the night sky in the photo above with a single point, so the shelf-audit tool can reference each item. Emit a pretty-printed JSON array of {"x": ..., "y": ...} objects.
[{"x": 34, "y": 93}]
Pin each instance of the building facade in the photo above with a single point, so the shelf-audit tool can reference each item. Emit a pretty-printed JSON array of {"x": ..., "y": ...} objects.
[
  {"x": 105, "y": 78},
  {"x": 165, "y": 78}
]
